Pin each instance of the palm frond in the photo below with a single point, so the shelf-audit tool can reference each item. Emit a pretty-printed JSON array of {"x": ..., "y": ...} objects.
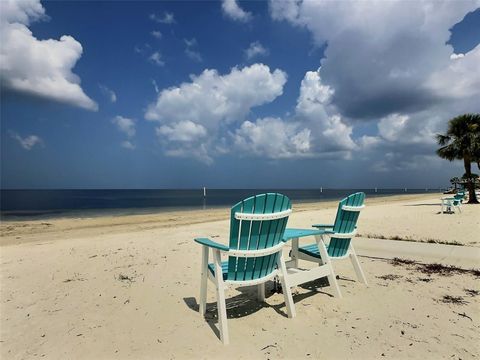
[{"x": 442, "y": 140}]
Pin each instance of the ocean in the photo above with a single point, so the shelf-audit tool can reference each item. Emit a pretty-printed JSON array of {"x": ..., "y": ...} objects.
[{"x": 35, "y": 204}]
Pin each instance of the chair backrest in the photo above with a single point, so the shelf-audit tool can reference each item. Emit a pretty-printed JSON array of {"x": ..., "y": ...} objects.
[
  {"x": 261, "y": 231},
  {"x": 345, "y": 223}
]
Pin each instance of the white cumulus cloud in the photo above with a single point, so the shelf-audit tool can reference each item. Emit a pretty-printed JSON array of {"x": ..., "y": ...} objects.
[
  {"x": 331, "y": 133},
  {"x": 460, "y": 79},
  {"x": 125, "y": 125},
  {"x": 456, "y": 56},
  {"x": 41, "y": 68},
  {"x": 191, "y": 50},
  {"x": 235, "y": 12},
  {"x": 156, "y": 58},
  {"x": 167, "y": 18},
  {"x": 194, "y": 117},
  {"x": 183, "y": 131},
  {"x": 127, "y": 144},
  {"x": 207, "y": 117},
  {"x": 23, "y": 12},
  {"x": 314, "y": 130},
  {"x": 273, "y": 138},
  {"x": 256, "y": 49},
  {"x": 109, "y": 93},
  {"x": 27, "y": 142},
  {"x": 212, "y": 98},
  {"x": 156, "y": 34}
]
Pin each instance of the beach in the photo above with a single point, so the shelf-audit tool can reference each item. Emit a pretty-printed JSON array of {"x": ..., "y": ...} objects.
[{"x": 127, "y": 287}]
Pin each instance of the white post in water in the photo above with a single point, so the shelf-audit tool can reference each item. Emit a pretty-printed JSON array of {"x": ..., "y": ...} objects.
[
  {"x": 321, "y": 189},
  {"x": 375, "y": 189},
  {"x": 405, "y": 189},
  {"x": 204, "y": 191}
]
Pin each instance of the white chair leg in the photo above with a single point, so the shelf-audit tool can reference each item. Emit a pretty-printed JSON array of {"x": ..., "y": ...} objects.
[
  {"x": 261, "y": 292},
  {"x": 287, "y": 291},
  {"x": 295, "y": 252},
  {"x": 356, "y": 265},
  {"x": 221, "y": 305},
  {"x": 332, "y": 280},
  {"x": 204, "y": 281}
]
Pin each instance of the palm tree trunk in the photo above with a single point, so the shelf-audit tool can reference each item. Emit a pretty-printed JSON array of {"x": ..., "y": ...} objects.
[{"x": 472, "y": 199}]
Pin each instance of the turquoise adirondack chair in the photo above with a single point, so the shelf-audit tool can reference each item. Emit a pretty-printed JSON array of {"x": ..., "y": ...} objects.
[
  {"x": 454, "y": 202},
  {"x": 340, "y": 235},
  {"x": 462, "y": 195},
  {"x": 257, "y": 225}
]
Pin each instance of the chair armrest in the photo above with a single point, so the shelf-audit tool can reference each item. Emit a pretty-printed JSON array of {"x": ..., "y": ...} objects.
[
  {"x": 323, "y": 226},
  {"x": 212, "y": 244}
]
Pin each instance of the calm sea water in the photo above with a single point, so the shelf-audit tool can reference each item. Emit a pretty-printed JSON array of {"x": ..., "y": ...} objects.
[{"x": 24, "y": 204}]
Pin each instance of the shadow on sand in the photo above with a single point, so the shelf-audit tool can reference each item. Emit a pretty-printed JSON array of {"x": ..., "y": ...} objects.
[{"x": 246, "y": 303}]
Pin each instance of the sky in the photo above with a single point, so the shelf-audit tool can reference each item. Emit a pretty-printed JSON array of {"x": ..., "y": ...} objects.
[{"x": 233, "y": 94}]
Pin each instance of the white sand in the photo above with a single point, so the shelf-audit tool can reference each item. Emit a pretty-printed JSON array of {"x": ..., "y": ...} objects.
[{"x": 62, "y": 295}]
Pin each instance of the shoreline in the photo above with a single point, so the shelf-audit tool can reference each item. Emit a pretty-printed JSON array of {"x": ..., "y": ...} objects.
[
  {"x": 14, "y": 232},
  {"x": 41, "y": 215}
]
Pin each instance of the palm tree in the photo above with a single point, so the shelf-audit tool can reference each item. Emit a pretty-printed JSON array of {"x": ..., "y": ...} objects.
[
  {"x": 462, "y": 142},
  {"x": 476, "y": 148},
  {"x": 454, "y": 181}
]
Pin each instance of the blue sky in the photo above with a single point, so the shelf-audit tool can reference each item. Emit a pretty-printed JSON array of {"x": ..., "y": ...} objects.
[{"x": 233, "y": 94}]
